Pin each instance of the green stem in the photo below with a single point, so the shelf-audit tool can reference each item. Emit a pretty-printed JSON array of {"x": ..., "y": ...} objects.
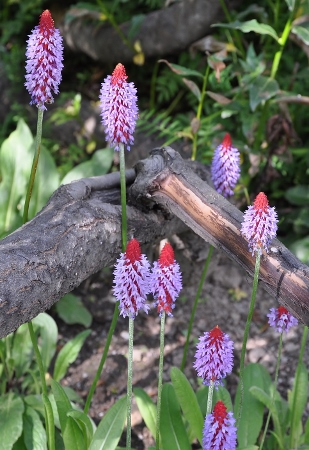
[
  {"x": 160, "y": 380},
  {"x": 246, "y": 333},
  {"x": 34, "y": 163},
  {"x": 273, "y": 392},
  {"x": 294, "y": 427},
  {"x": 103, "y": 358},
  {"x": 123, "y": 197},
  {"x": 129, "y": 385},
  {"x": 209, "y": 398},
  {"x": 49, "y": 418},
  {"x": 197, "y": 297},
  {"x": 200, "y": 109}
]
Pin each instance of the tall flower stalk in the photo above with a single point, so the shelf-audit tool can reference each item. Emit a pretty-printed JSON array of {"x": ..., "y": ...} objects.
[
  {"x": 119, "y": 112},
  {"x": 281, "y": 320},
  {"x": 259, "y": 227},
  {"x": 44, "y": 55},
  {"x": 165, "y": 285}
]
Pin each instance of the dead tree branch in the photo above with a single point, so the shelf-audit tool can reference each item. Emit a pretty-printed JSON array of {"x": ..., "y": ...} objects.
[{"x": 78, "y": 232}]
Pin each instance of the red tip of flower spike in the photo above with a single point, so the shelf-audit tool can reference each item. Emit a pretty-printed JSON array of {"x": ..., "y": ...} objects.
[
  {"x": 133, "y": 252},
  {"x": 227, "y": 141},
  {"x": 261, "y": 202},
  {"x": 282, "y": 310},
  {"x": 46, "y": 21},
  {"x": 119, "y": 75},
  {"x": 166, "y": 256},
  {"x": 216, "y": 334},
  {"x": 220, "y": 412}
]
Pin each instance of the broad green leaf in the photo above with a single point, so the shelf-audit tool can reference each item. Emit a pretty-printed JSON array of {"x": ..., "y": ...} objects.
[
  {"x": 73, "y": 437},
  {"x": 72, "y": 310},
  {"x": 22, "y": 350},
  {"x": 35, "y": 402},
  {"x": 302, "y": 31},
  {"x": 147, "y": 409},
  {"x": 11, "y": 420},
  {"x": 172, "y": 429},
  {"x": 68, "y": 354},
  {"x": 108, "y": 433},
  {"x": 248, "y": 26},
  {"x": 49, "y": 336},
  {"x": 16, "y": 155},
  {"x": 306, "y": 437},
  {"x": 252, "y": 412},
  {"x": 297, "y": 401},
  {"x": 201, "y": 396},
  {"x": 298, "y": 195},
  {"x": 180, "y": 70},
  {"x": 19, "y": 444},
  {"x": 46, "y": 182},
  {"x": 34, "y": 432},
  {"x": 291, "y": 4},
  {"x": 99, "y": 164},
  {"x": 262, "y": 89},
  {"x": 188, "y": 402},
  {"x": 223, "y": 394},
  {"x": 84, "y": 423}
]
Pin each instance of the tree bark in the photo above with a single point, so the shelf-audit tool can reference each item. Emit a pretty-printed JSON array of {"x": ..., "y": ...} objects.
[{"x": 78, "y": 232}]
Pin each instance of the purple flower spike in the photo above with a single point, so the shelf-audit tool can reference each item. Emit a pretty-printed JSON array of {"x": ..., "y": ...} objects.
[
  {"x": 280, "y": 319},
  {"x": 44, "y": 61},
  {"x": 259, "y": 224},
  {"x": 225, "y": 170},
  {"x": 166, "y": 280},
  {"x": 131, "y": 280},
  {"x": 214, "y": 357},
  {"x": 118, "y": 102},
  {"x": 219, "y": 429}
]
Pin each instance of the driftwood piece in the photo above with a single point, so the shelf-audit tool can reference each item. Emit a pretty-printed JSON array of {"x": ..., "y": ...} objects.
[
  {"x": 78, "y": 232},
  {"x": 163, "y": 32},
  {"x": 180, "y": 191}
]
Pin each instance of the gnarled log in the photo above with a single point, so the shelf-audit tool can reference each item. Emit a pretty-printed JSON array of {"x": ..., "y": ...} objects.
[{"x": 79, "y": 231}]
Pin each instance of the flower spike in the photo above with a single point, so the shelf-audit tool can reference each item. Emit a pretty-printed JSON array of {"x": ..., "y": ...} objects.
[
  {"x": 131, "y": 280},
  {"x": 225, "y": 167},
  {"x": 219, "y": 431},
  {"x": 214, "y": 357},
  {"x": 280, "y": 319},
  {"x": 44, "y": 61},
  {"x": 166, "y": 280},
  {"x": 259, "y": 224},
  {"x": 119, "y": 112}
]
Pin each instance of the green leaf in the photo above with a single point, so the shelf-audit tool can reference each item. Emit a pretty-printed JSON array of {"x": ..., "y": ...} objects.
[
  {"x": 72, "y": 310},
  {"x": 99, "y": 164},
  {"x": 49, "y": 336},
  {"x": 297, "y": 401},
  {"x": 188, "y": 402},
  {"x": 11, "y": 420},
  {"x": 172, "y": 429},
  {"x": 302, "y": 31},
  {"x": 262, "y": 89},
  {"x": 223, "y": 394},
  {"x": 34, "y": 432},
  {"x": 68, "y": 354},
  {"x": 147, "y": 409},
  {"x": 248, "y": 26},
  {"x": 298, "y": 195},
  {"x": 306, "y": 438},
  {"x": 291, "y": 4},
  {"x": 84, "y": 423},
  {"x": 15, "y": 164},
  {"x": 300, "y": 248},
  {"x": 108, "y": 433},
  {"x": 73, "y": 437},
  {"x": 251, "y": 420},
  {"x": 46, "y": 182},
  {"x": 22, "y": 350},
  {"x": 180, "y": 70}
]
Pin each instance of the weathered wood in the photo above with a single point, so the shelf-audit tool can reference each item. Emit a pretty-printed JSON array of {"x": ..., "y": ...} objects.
[
  {"x": 174, "y": 186},
  {"x": 79, "y": 231}
]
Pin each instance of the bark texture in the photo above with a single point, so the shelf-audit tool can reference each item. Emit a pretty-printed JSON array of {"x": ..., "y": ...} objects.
[{"x": 79, "y": 232}]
